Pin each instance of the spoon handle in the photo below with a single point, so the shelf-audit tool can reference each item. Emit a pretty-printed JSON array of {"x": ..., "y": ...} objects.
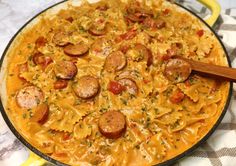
[{"x": 223, "y": 72}]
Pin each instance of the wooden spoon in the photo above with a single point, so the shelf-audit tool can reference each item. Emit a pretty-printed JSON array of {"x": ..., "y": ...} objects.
[{"x": 181, "y": 68}]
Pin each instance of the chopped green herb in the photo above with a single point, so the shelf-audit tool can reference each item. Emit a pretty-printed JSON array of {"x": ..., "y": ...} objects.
[
  {"x": 124, "y": 101},
  {"x": 137, "y": 147},
  {"x": 29, "y": 46},
  {"x": 30, "y": 114},
  {"x": 156, "y": 111},
  {"x": 24, "y": 116},
  {"x": 144, "y": 109},
  {"x": 103, "y": 110}
]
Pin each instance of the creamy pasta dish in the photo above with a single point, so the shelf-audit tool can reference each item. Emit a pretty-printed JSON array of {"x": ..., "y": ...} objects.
[{"x": 98, "y": 84}]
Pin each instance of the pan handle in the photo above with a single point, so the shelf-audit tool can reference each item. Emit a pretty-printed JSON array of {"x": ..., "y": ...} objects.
[
  {"x": 215, "y": 8},
  {"x": 34, "y": 160}
]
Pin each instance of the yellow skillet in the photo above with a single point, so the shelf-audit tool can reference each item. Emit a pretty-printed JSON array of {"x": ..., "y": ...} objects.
[{"x": 215, "y": 8}]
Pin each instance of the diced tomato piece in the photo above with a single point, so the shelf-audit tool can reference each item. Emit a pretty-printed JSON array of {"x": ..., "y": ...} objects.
[
  {"x": 200, "y": 33},
  {"x": 130, "y": 34},
  {"x": 60, "y": 154},
  {"x": 177, "y": 97},
  {"x": 66, "y": 136},
  {"x": 187, "y": 83},
  {"x": 149, "y": 23},
  {"x": 166, "y": 12},
  {"x": 115, "y": 87},
  {"x": 165, "y": 57},
  {"x": 70, "y": 19},
  {"x": 124, "y": 48},
  {"x": 146, "y": 81}
]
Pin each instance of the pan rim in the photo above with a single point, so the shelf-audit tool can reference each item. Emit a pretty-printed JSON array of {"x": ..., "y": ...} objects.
[{"x": 165, "y": 163}]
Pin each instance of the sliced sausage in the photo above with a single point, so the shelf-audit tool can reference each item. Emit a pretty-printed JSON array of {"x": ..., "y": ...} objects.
[
  {"x": 137, "y": 14},
  {"x": 137, "y": 17},
  {"x": 131, "y": 74},
  {"x": 115, "y": 61},
  {"x": 76, "y": 50},
  {"x": 65, "y": 70},
  {"x": 60, "y": 84},
  {"x": 60, "y": 38},
  {"x": 130, "y": 34},
  {"x": 29, "y": 97},
  {"x": 177, "y": 70},
  {"x": 112, "y": 124},
  {"x": 93, "y": 30},
  {"x": 86, "y": 87},
  {"x": 37, "y": 58},
  {"x": 160, "y": 24},
  {"x": 40, "y": 59},
  {"x": 40, "y": 42},
  {"x": 130, "y": 85},
  {"x": 41, "y": 113},
  {"x": 145, "y": 52}
]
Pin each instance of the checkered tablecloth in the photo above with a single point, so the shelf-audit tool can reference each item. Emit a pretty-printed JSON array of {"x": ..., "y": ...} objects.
[{"x": 220, "y": 148}]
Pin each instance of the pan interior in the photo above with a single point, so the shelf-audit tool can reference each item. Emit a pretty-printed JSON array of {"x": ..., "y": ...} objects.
[{"x": 11, "y": 85}]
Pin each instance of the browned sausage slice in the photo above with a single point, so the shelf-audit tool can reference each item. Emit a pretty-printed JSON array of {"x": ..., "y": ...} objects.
[
  {"x": 97, "y": 32},
  {"x": 177, "y": 70},
  {"x": 40, "y": 59},
  {"x": 130, "y": 85},
  {"x": 145, "y": 52},
  {"x": 60, "y": 84},
  {"x": 29, "y": 97},
  {"x": 60, "y": 38},
  {"x": 130, "y": 74},
  {"x": 86, "y": 87},
  {"x": 40, "y": 42},
  {"x": 112, "y": 124},
  {"x": 115, "y": 61},
  {"x": 41, "y": 113},
  {"x": 76, "y": 50},
  {"x": 65, "y": 70},
  {"x": 137, "y": 17}
]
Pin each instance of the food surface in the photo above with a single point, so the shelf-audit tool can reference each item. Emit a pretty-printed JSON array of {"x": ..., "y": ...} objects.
[{"x": 97, "y": 84}]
